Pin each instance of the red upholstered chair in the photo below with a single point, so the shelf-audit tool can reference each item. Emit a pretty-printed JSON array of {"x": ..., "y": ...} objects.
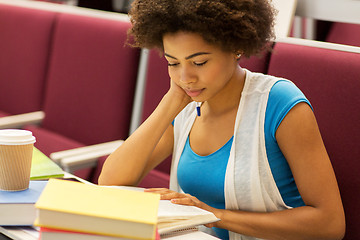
[
  {"x": 331, "y": 81},
  {"x": 25, "y": 38},
  {"x": 3, "y": 114},
  {"x": 257, "y": 63},
  {"x": 344, "y": 33},
  {"x": 157, "y": 84},
  {"x": 90, "y": 86}
]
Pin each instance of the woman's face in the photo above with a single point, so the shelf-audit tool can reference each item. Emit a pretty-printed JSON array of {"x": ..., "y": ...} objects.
[{"x": 203, "y": 70}]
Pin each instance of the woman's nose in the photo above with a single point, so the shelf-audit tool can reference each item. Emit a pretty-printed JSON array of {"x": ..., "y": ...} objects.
[{"x": 187, "y": 76}]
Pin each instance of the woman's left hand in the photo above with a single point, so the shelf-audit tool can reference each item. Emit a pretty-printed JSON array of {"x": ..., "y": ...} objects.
[
  {"x": 182, "y": 199},
  {"x": 175, "y": 197}
]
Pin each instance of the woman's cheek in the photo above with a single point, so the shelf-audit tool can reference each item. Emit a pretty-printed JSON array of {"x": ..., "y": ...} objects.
[{"x": 173, "y": 76}]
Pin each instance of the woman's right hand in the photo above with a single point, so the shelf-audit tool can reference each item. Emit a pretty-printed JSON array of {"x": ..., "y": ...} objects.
[
  {"x": 154, "y": 137},
  {"x": 177, "y": 95}
]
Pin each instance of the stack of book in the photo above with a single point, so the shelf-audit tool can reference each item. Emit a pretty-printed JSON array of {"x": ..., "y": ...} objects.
[
  {"x": 17, "y": 208},
  {"x": 73, "y": 210}
]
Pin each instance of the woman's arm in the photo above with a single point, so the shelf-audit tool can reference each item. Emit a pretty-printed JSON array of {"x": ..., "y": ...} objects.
[
  {"x": 322, "y": 218},
  {"x": 150, "y": 144}
]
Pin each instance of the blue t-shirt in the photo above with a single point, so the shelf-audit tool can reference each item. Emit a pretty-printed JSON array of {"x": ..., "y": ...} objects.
[{"x": 204, "y": 176}]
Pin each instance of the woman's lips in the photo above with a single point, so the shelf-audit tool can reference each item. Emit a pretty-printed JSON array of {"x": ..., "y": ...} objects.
[{"x": 192, "y": 92}]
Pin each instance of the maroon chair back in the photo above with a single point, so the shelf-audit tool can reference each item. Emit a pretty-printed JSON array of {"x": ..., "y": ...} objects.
[
  {"x": 331, "y": 81},
  {"x": 4, "y": 114},
  {"x": 25, "y": 37},
  {"x": 344, "y": 33},
  {"x": 90, "y": 86},
  {"x": 91, "y": 80},
  {"x": 257, "y": 63},
  {"x": 157, "y": 84}
]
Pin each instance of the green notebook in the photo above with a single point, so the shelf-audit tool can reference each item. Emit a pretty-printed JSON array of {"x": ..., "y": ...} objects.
[{"x": 43, "y": 167}]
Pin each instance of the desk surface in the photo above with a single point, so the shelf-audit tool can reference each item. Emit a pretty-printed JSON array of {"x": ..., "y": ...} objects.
[
  {"x": 29, "y": 233},
  {"x": 4, "y": 237},
  {"x": 19, "y": 233}
]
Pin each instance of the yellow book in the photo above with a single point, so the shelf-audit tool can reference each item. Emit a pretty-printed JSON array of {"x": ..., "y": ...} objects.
[
  {"x": 43, "y": 167},
  {"x": 94, "y": 209}
]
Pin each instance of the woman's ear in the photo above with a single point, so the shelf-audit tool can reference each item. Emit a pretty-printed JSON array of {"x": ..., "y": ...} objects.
[{"x": 237, "y": 56}]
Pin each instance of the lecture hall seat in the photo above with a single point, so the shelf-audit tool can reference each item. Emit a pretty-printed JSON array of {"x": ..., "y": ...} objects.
[
  {"x": 330, "y": 80},
  {"x": 344, "y": 33},
  {"x": 257, "y": 63},
  {"x": 25, "y": 41},
  {"x": 157, "y": 84},
  {"x": 90, "y": 85}
]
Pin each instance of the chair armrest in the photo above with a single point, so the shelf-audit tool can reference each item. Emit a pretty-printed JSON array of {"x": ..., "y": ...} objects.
[
  {"x": 19, "y": 120},
  {"x": 58, "y": 156},
  {"x": 83, "y": 157}
]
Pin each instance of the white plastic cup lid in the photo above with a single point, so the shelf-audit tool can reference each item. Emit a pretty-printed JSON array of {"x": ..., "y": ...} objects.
[{"x": 16, "y": 137}]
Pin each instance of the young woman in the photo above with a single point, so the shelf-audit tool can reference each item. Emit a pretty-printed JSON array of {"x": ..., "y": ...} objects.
[{"x": 246, "y": 146}]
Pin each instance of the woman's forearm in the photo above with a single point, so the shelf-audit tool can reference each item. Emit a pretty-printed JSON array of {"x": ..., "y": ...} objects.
[
  {"x": 125, "y": 166},
  {"x": 298, "y": 223}
]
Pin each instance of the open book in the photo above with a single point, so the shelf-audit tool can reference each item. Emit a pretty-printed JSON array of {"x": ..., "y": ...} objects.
[{"x": 173, "y": 217}]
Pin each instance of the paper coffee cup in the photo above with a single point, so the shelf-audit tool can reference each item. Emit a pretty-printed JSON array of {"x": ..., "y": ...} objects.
[{"x": 16, "y": 149}]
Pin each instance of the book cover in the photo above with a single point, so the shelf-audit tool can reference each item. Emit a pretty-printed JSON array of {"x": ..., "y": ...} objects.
[
  {"x": 43, "y": 167},
  {"x": 17, "y": 208},
  {"x": 57, "y": 234},
  {"x": 99, "y": 210}
]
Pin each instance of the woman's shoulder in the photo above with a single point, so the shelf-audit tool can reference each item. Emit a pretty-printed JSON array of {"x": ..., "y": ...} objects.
[
  {"x": 285, "y": 90},
  {"x": 283, "y": 96},
  {"x": 259, "y": 82}
]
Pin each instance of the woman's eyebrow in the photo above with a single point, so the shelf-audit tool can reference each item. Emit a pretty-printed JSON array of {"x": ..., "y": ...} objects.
[{"x": 188, "y": 57}]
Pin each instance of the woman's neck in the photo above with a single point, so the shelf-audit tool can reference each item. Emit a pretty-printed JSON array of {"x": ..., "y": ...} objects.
[{"x": 228, "y": 99}]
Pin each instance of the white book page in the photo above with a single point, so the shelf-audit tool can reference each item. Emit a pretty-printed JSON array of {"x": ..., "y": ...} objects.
[
  {"x": 169, "y": 209},
  {"x": 189, "y": 235}
]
